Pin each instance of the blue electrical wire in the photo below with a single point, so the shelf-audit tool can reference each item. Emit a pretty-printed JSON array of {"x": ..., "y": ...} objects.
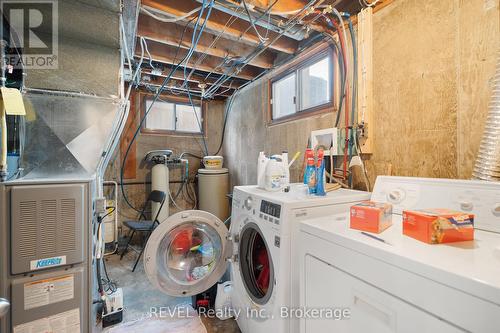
[
  {"x": 210, "y": 6},
  {"x": 157, "y": 95},
  {"x": 197, "y": 37}
]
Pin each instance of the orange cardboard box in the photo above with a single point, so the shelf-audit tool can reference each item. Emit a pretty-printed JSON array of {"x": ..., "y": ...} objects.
[
  {"x": 371, "y": 216},
  {"x": 435, "y": 226}
]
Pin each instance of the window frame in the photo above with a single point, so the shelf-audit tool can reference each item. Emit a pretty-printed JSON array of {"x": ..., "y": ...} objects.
[
  {"x": 174, "y": 100},
  {"x": 303, "y": 61}
]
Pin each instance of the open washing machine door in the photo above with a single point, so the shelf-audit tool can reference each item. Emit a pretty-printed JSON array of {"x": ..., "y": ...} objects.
[{"x": 187, "y": 253}]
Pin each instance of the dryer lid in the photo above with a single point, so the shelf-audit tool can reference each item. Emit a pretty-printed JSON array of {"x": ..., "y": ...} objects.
[{"x": 187, "y": 253}]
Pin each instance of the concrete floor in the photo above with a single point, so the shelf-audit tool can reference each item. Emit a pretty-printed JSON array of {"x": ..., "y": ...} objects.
[{"x": 140, "y": 296}]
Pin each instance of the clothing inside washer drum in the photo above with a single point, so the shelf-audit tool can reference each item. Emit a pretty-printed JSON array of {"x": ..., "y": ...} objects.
[
  {"x": 192, "y": 253},
  {"x": 261, "y": 269}
]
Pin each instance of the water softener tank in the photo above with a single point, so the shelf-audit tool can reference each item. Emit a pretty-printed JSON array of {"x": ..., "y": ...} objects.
[
  {"x": 160, "y": 182},
  {"x": 213, "y": 187}
]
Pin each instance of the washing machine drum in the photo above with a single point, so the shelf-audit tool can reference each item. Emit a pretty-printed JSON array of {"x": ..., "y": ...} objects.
[{"x": 187, "y": 253}]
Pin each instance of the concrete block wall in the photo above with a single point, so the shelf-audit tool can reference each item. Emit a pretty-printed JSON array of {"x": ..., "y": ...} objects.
[{"x": 138, "y": 188}]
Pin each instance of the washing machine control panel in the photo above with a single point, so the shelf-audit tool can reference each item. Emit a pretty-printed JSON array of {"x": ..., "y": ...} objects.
[
  {"x": 270, "y": 208},
  {"x": 270, "y": 212}
]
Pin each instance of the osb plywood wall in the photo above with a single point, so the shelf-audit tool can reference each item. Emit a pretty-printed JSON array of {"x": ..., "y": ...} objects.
[{"x": 433, "y": 66}]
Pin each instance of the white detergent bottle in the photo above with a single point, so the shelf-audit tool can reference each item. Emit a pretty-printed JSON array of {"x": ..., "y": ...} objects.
[
  {"x": 261, "y": 170},
  {"x": 274, "y": 175}
]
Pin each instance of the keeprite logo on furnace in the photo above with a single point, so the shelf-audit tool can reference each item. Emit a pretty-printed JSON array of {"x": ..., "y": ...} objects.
[{"x": 32, "y": 33}]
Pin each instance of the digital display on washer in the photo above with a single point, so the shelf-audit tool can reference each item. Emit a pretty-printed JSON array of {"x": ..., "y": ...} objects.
[{"x": 270, "y": 208}]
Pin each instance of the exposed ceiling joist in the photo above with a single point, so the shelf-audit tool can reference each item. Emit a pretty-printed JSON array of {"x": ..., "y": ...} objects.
[
  {"x": 196, "y": 78},
  {"x": 178, "y": 86},
  {"x": 261, "y": 18},
  {"x": 229, "y": 39},
  {"x": 281, "y": 7},
  {"x": 217, "y": 22},
  {"x": 170, "y": 55},
  {"x": 169, "y": 34}
]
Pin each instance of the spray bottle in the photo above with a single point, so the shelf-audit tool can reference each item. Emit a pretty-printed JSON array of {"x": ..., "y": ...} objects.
[
  {"x": 309, "y": 154},
  {"x": 320, "y": 174},
  {"x": 311, "y": 175}
]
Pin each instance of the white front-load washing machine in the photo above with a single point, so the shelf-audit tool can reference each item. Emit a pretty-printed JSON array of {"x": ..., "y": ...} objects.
[{"x": 190, "y": 251}]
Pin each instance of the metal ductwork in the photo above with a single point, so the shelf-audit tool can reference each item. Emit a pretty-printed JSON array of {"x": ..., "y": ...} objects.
[{"x": 488, "y": 160}]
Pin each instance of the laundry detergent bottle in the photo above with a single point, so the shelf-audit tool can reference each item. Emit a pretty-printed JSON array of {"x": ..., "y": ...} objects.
[
  {"x": 261, "y": 170},
  {"x": 275, "y": 174}
]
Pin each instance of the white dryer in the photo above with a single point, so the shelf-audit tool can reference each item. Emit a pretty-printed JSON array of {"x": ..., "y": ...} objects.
[
  {"x": 393, "y": 283},
  {"x": 188, "y": 253}
]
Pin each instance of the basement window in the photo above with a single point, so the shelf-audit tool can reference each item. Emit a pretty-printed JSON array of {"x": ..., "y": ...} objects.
[
  {"x": 304, "y": 88},
  {"x": 172, "y": 117}
]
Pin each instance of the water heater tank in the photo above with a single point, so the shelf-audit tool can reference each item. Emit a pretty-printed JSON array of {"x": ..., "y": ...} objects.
[{"x": 213, "y": 187}]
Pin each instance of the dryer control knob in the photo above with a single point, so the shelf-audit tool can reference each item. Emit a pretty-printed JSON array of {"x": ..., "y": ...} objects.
[
  {"x": 496, "y": 209},
  {"x": 466, "y": 205},
  {"x": 396, "y": 196},
  {"x": 248, "y": 203}
]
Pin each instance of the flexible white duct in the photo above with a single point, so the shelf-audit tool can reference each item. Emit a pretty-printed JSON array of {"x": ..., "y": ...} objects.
[{"x": 488, "y": 160}]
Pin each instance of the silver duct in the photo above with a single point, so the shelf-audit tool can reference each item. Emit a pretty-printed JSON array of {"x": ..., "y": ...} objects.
[
  {"x": 68, "y": 135},
  {"x": 488, "y": 160}
]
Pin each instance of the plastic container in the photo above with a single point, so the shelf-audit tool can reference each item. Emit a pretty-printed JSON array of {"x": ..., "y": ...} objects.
[
  {"x": 309, "y": 154},
  {"x": 223, "y": 305},
  {"x": 261, "y": 170},
  {"x": 311, "y": 175},
  {"x": 275, "y": 174},
  {"x": 213, "y": 162},
  {"x": 320, "y": 174}
]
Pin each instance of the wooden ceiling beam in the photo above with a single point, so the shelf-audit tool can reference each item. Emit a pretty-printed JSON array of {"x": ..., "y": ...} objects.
[
  {"x": 260, "y": 17},
  {"x": 282, "y": 6},
  {"x": 217, "y": 23},
  {"x": 171, "y": 55},
  {"x": 170, "y": 34},
  {"x": 195, "y": 78},
  {"x": 193, "y": 87}
]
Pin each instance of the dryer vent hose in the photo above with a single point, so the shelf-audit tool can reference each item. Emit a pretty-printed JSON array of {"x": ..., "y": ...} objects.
[{"x": 488, "y": 159}]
